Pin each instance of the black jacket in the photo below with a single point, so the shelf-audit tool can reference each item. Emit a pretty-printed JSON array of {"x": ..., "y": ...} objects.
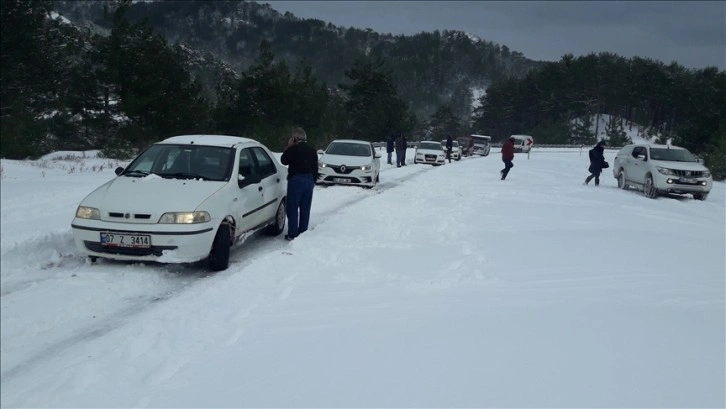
[
  {"x": 449, "y": 143},
  {"x": 390, "y": 144},
  {"x": 300, "y": 159},
  {"x": 597, "y": 159}
]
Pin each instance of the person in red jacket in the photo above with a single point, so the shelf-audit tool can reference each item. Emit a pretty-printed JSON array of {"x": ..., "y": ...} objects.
[{"x": 507, "y": 157}]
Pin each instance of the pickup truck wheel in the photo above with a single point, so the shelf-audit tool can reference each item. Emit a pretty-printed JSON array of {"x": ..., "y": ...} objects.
[
  {"x": 219, "y": 256},
  {"x": 649, "y": 187}
]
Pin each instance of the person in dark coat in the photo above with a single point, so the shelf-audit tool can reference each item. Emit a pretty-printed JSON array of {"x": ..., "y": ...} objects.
[
  {"x": 390, "y": 146},
  {"x": 597, "y": 163},
  {"x": 302, "y": 172},
  {"x": 400, "y": 150},
  {"x": 507, "y": 157},
  {"x": 405, "y": 146},
  {"x": 449, "y": 147}
]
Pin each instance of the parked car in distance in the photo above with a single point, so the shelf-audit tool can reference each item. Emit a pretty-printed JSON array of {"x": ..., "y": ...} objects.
[
  {"x": 429, "y": 152},
  {"x": 522, "y": 143},
  {"x": 475, "y": 144},
  {"x": 184, "y": 199},
  {"x": 455, "y": 149},
  {"x": 349, "y": 162},
  {"x": 658, "y": 169}
]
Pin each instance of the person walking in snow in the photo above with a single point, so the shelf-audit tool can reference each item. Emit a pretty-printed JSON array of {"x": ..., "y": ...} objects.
[
  {"x": 400, "y": 150},
  {"x": 390, "y": 146},
  {"x": 449, "y": 147},
  {"x": 507, "y": 157},
  {"x": 597, "y": 163},
  {"x": 302, "y": 172}
]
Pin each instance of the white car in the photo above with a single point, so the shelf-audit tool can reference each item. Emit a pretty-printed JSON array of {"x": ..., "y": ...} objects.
[
  {"x": 429, "y": 152},
  {"x": 456, "y": 153},
  {"x": 349, "y": 162},
  {"x": 658, "y": 169},
  {"x": 184, "y": 199}
]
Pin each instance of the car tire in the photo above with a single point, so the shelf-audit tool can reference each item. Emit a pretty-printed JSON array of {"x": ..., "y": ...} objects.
[
  {"x": 622, "y": 181},
  {"x": 219, "y": 256},
  {"x": 278, "y": 224},
  {"x": 700, "y": 196},
  {"x": 649, "y": 188}
]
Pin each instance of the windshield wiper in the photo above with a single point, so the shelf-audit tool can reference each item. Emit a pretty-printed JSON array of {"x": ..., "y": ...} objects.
[
  {"x": 182, "y": 175},
  {"x": 137, "y": 173}
]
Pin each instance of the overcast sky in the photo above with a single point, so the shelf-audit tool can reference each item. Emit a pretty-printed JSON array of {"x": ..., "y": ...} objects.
[{"x": 688, "y": 32}]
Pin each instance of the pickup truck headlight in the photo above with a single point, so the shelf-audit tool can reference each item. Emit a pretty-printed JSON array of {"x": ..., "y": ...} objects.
[
  {"x": 85, "y": 212},
  {"x": 706, "y": 174},
  {"x": 184, "y": 217},
  {"x": 665, "y": 171}
]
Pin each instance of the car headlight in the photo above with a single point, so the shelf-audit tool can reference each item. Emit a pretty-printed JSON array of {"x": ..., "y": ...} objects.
[
  {"x": 706, "y": 174},
  {"x": 184, "y": 217},
  {"x": 365, "y": 167},
  {"x": 665, "y": 171},
  {"x": 85, "y": 212},
  {"x": 322, "y": 165},
  {"x": 419, "y": 155}
]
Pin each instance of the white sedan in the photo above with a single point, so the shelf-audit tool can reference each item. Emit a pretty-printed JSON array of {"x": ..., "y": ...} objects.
[
  {"x": 349, "y": 162},
  {"x": 430, "y": 152},
  {"x": 184, "y": 199}
]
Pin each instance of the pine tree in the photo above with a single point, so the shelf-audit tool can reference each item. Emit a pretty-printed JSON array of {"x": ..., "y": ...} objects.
[{"x": 615, "y": 132}]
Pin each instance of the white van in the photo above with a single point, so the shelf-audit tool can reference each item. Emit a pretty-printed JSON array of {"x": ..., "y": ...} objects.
[{"x": 523, "y": 143}]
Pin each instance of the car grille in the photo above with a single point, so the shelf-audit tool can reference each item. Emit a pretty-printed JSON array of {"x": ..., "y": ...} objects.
[
  {"x": 347, "y": 170},
  {"x": 127, "y": 251},
  {"x": 688, "y": 173},
  {"x": 129, "y": 216},
  {"x": 430, "y": 158}
]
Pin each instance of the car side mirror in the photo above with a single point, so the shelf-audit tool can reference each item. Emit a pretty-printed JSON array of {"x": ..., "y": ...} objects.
[
  {"x": 699, "y": 160},
  {"x": 243, "y": 181},
  {"x": 320, "y": 151},
  {"x": 377, "y": 155},
  {"x": 640, "y": 156},
  {"x": 118, "y": 170}
]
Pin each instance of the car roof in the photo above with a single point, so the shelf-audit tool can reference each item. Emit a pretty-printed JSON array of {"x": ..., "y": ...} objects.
[
  {"x": 208, "y": 140},
  {"x": 352, "y": 141},
  {"x": 657, "y": 145}
]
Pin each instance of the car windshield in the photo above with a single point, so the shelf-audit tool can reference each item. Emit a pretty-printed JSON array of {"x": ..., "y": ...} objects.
[
  {"x": 183, "y": 162},
  {"x": 348, "y": 149},
  {"x": 430, "y": 145},
  {"x": 673, "y": 155}
]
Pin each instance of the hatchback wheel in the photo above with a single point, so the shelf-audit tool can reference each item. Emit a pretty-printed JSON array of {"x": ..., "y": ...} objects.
[
  {"x": 219, "y": 256},
  {"x": 649, "y": 188},
  {"x": 278, "y": 225},
  {"x": 622, "y": 182}
]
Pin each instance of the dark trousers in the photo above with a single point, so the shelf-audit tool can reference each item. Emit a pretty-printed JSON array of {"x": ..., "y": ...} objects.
[
  {"x": 507, "y": 165},
  {"x": 448, "y": 155},
  {"x": 389, "y": 158},
  {"x": 594, "y": 175},
  {"x": 299, "y": 201},
  {"x": 400, "y": 159}
]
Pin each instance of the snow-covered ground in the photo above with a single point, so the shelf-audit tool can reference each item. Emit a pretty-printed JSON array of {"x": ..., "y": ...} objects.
[{"x": 440, "y": 287}]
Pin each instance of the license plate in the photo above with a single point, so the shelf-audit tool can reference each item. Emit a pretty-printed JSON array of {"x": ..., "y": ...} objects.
[
  {"x": 688, "y": 180},
  {"x": 125, "y": 240},
  {"x": 341, "y": 180}
]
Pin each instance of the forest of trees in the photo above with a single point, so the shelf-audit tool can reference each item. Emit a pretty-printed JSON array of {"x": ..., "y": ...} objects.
[{"x": 71, "y": 88}]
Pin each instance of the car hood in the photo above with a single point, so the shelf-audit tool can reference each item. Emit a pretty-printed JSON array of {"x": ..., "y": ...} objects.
[
  {"x": 692, "y": 166},
  {"x": 151, "y": 194},
  {"x": 338, "y": 160}
]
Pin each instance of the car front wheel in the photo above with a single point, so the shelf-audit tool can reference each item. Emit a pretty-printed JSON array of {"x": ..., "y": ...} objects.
[
  {"x": 622, "y": 182},
  {"x": 649, "y": 188},
  {"x": 278, "y": 225},
  {"x": 219, "y": 256},
  {"x": 700, "y": 196}
]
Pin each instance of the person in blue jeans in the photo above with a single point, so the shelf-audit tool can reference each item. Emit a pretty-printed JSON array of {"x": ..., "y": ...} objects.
[{"x": 302, "y": 172}]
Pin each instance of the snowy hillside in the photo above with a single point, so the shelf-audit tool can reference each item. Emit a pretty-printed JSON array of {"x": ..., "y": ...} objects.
[{"x": 441, "y": 287}]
